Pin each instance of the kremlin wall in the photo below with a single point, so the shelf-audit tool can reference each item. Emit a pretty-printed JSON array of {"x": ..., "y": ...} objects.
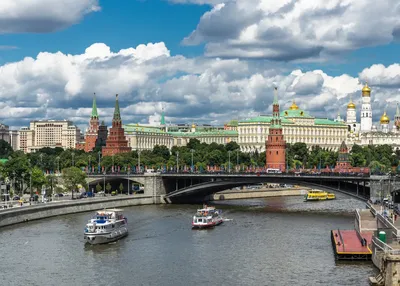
[{"x": 256, "y": 134}]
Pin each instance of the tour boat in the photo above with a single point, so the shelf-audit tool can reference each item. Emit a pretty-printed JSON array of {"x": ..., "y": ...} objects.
[
  {"x": 106, "y": 226},
  {"x": 317, "y": 195},
  {"x": 207, "y": 217}
]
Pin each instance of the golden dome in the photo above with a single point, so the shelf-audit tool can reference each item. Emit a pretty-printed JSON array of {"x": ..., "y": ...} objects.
[
  {"x": 293, "y": 106},
  {"x": 351, "y": 105},
  {"x": 385, "y": 119},
  {"x": 366, "y": 91},
  {"x": 193, "y": 125}
]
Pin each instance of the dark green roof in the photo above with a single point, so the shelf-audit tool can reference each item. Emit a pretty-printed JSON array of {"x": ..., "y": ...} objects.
[
  {"x": 117, "y": 114},
  {"x": 295, "y": 113},
  {"x": 264, "y": 119},
  {"x": 94, "y": 107},
  {"x": 205, "y": 133},
  {"x": 285, "y": 120}
]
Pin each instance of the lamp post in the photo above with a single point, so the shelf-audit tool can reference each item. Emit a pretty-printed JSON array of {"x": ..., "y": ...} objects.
[
  {"x": 192, "y": 151},
  {"x": 90, "y": 157},
  {"x": 237, "y": 158},
  {"x": 30, "y": 187},
  {"x": 58, "y": 164},
  {"x": 73, "y": 155},
  {"x": 14, "y": 180},
  {"x": 113, "y": 168},
  {"x": 229, "y": 161},
  {"x": 177, "y": 161},
  {"x": 104, "y": 183},
  {"x": 129, "y": 171},
  {"x": 139, "y": 169},
  {"x": 99, "y": 153},
  {"x": 41, "y": 160},
  {"x": 22, "y": 187}
]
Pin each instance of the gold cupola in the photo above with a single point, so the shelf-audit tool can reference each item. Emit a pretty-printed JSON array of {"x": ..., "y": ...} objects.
[
  {"x": 351, "y": 105},
  {"x": 366, "y": 91},
  {"x": 293, "y": 106},
  {"x": 385, "y": 119}
]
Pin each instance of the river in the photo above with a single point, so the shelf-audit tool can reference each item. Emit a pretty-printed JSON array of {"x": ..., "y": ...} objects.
[{"x": 274, "y": 241}]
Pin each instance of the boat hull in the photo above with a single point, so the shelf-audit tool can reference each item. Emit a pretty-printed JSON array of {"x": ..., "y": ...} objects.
[
  {"x": 100, "y": 238},
  {"x": 206, "y": 225}
]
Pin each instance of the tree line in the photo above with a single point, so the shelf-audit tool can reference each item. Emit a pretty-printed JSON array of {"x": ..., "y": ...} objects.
[{"x": 20, "y": 166}]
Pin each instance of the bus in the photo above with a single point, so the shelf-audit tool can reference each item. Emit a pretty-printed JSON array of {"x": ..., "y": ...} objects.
[{"x": 273, "y": 171}]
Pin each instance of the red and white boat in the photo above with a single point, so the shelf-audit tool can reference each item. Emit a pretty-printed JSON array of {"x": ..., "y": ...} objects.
[{"x": 207, "y": 217}]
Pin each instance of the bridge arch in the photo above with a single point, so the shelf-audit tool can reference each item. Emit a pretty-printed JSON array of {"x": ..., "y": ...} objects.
[{"x": 203, "y": 190}]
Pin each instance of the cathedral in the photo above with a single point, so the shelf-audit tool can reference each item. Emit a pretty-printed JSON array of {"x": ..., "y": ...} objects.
[{"x": 365, "y": 133}]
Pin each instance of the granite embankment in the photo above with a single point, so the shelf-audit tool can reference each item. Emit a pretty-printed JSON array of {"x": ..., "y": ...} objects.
[
  {"x": 259, "y": 193},
  {"x": 40, "y": 211}
]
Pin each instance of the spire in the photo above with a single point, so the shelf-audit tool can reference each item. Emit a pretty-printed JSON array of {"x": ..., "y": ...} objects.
[
  {"x": 162, "y": 117},
  {"x": 117, "y": 114},
  {"x": 94, "y": 107},
  {"x": 397, "y": 110},
  {"x": 275, "y": 95}
]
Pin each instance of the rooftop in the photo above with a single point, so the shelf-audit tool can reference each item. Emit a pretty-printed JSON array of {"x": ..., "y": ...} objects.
[{"x": 212, "y": 133}]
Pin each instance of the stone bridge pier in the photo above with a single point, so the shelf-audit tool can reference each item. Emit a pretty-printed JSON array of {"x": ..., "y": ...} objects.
[{"x": 382, "y": 186}]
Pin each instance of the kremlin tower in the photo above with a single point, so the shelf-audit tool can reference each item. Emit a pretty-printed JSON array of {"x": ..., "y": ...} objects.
[
  {"x": 96, "y": 135},
  {"x": 116, "y": 141},
  {"x": 366, "y": 111},
  {"x": 275, "y": 146},
  {"x": 92, "y": 131}
]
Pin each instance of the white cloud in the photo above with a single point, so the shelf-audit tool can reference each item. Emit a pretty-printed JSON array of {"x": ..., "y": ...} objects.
[
  {"x": 382, "y": 76},
  {"x": 60, "y": 86},
  {"x": 295, "y": 30},
  {"x": 42, "y": 16}
]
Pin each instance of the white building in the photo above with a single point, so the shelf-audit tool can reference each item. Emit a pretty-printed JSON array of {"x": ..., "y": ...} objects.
[
  {"x": 48, "y": 133},
  {"x": 366, "y": 110}
]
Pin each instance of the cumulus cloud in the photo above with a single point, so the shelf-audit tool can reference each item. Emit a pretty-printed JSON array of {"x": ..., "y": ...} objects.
[
  {"x": 147, "y": 77},
  {"x": 382, "y": 76},
  {"x": 42, "y": 16},
  {"x": 295, "y": 29}
]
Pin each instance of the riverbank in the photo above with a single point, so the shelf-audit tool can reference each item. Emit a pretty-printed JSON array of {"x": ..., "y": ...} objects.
[
  {"x": 45, "y": 210},
  {"x": 259, "y": 193}
]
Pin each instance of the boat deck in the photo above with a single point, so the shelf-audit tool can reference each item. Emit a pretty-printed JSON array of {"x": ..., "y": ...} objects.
[{"x": 348, "y": 245}]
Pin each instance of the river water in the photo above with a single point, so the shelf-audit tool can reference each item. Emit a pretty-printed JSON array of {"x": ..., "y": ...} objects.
[{"x": 274, "y": 241}]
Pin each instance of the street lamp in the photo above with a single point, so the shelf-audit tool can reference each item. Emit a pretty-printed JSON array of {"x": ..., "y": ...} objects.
[
  {"x": 129, "y": 171},
  {"x": 14, "y": 180},
  {"x": 99, "y": 153},
  {"x": 41, "y": 160},
  {"x": 229, "y": 161},
  {"x": 90, "y": 157},
  {"x": 73, "y": 155},
  {"x": 177, "y": 161},
  {"x": 192, "y": 151},
  {"x": 22, "y": 187},
  {"x": 237, "y": 158},
  {"x": 113, "y": 168},
  {"x": 30, "y": 187},
  {"x": 104, "y": 182},
  {"x": 58, "y": 164},
  {"x": 139, "y": 169}
]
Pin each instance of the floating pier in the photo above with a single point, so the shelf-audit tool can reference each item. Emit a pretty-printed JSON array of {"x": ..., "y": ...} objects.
[{"x": 351, "y": 245}]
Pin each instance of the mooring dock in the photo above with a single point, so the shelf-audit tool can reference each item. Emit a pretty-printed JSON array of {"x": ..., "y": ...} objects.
[{"x": 350, "y": 245}]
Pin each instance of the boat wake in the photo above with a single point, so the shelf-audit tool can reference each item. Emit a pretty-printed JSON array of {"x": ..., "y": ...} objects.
[{"x": 227, "y": 219}]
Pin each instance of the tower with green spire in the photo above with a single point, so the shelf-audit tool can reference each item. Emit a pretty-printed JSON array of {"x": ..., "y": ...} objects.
[
  {"x": 162, "y": 118},
  {"x": 116, "y": 140},
  {"x": 275, "y": 146},
  {"x": 94, "y": 107}
]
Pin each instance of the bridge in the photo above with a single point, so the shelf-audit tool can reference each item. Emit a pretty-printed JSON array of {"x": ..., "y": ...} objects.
[{"x": 195, "y": 187}]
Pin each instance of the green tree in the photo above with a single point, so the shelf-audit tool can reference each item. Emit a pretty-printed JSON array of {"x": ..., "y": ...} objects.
[
  {"x": 5, "y": 149},
  {"x": 98, "y": 188},
  {"x": 121, "y": 188},
  {"x": 108, "y": 187},
  {"x": 73, "y": 177},
  {"x": 38, "y": 178}
]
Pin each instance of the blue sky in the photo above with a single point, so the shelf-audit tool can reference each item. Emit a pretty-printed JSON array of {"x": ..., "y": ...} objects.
[{"x": 203, "y": 63}]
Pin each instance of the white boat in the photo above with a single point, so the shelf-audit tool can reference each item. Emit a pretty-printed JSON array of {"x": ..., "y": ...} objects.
[
  {"x": 106, "y": 226},
  {"x": 207, "y": 217}
]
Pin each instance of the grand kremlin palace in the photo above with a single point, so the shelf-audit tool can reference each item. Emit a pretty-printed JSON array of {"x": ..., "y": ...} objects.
[
  {"x": 250, "y": 134},
  {"x": 298, "y": 126}
]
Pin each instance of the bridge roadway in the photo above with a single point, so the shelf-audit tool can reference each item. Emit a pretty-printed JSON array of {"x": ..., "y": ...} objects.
[{"x": 184, "y": 186}]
